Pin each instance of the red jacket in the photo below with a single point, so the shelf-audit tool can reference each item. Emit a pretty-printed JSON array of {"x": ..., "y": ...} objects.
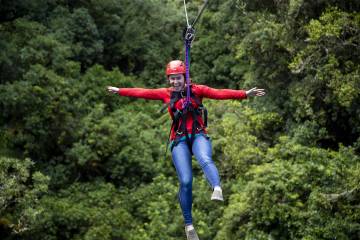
[{"x": 201, "y": 91}]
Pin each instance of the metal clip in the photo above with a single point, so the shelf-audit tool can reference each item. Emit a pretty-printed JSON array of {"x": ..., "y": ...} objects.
[
  {"x": 179, "y": 133},
  {"x": 189, "y": 34}
]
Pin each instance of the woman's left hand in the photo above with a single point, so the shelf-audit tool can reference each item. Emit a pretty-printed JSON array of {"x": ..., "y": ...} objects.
[
  {"x": 113, "y": 89},
  {"x": 255, "y": 92}
]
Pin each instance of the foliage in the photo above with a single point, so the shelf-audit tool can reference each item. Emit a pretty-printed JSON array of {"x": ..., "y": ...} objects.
[
  {"x": 82, "y": 211},
  {"x": 291, "y": 196},
  {"x": 329, "y": 92},
  {"x": 20, "y": 192}
]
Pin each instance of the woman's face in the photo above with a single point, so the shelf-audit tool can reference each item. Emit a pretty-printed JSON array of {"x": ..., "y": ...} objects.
[{"x": 177, "y": 81}]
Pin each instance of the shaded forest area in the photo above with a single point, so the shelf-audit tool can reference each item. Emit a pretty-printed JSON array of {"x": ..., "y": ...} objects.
[{"x": 79, "y": 163}]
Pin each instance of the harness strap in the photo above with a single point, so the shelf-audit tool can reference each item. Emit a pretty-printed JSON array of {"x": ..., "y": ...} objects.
[
  {"x": 187, "y": 74},
  {"x": 193, "y": 128},
  {"x": 205, "y": 116},
  {"x": 184, "y": 129}
]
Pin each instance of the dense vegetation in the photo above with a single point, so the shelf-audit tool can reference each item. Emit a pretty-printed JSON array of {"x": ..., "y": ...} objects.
[{"x": 79, "y": 163}]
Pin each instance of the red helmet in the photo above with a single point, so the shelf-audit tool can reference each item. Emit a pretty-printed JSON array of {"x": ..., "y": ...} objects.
[{"x": 175, "y": 67}]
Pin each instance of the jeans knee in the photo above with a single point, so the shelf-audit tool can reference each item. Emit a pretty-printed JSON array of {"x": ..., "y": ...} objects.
[
  {"x": 186, "y": 184},
  {"x": 205, "y": 162}
]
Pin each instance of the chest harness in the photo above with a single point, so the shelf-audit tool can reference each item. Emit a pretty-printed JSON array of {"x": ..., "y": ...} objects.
[{"x": 180, "y": 117}]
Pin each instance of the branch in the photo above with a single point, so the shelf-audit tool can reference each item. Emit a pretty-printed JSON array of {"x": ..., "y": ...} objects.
[{"x": 349, "y": 195}]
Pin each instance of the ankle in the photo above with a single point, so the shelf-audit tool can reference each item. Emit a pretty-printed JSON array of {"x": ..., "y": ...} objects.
[{"x": 217, "y": 188}]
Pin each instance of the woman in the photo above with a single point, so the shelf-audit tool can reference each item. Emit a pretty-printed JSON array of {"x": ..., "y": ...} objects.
[{"x": 188, "y": 133}]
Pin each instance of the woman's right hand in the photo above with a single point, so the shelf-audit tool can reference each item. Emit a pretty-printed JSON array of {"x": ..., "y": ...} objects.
[
  {"x": 255, "y": 92},
  {"x": 113, "y": 89}
]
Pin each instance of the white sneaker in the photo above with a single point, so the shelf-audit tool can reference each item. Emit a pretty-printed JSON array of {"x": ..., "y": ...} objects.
[
  {"x": 191, "y": 234},
  {"x": 217, "y": 195}
]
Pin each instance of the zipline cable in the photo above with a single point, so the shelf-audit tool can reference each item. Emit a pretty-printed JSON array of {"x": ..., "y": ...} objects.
[
  {"x": 186, "y": 15},
  {"x": 200, "y": 13}
]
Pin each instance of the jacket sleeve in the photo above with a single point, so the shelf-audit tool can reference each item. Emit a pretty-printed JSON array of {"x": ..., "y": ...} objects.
[
  {"x": 213, "y": 93},
  {"x": 153, "y": 94}
]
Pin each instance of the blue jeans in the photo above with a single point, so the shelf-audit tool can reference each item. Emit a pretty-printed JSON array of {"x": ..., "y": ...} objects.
[{"x": 182, "y": 161}]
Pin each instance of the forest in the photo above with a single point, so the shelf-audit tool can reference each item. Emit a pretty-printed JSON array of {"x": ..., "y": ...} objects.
[{"x": 79, "y": 163}]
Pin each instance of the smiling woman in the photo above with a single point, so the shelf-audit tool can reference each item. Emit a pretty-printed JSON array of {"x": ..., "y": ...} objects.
[{"x": 188, "y": 131}]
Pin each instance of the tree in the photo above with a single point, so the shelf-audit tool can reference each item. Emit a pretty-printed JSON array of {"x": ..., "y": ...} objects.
[{"x": 21, "y": 189}]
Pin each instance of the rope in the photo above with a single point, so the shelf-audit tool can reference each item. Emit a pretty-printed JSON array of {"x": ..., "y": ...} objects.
[
  {"x": 187, "y": 75},
  {"x": 187, "y": 19}
]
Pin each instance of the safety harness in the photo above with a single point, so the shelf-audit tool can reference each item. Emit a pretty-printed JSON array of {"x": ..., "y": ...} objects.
[{"x": 180, "y": 117}]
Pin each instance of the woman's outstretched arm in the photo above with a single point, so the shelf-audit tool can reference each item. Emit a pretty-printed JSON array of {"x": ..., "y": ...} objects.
[
  {"x": 153, "y": 94},
  {"x": 214, "y": 93}
]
